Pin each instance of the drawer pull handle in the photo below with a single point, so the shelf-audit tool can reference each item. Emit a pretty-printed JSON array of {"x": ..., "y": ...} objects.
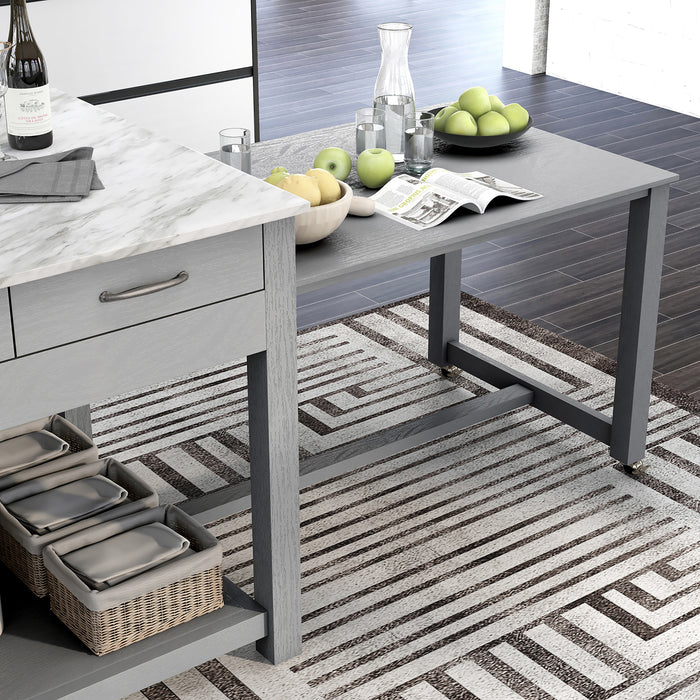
[{"x": 145, "y": 289}]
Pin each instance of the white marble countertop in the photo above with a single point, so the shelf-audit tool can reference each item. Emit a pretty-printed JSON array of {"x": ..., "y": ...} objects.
[{"x": 157, "y": 194}]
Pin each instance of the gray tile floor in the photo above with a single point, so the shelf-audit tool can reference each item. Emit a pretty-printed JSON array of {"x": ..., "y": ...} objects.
[{"x": 318, "y": 62}]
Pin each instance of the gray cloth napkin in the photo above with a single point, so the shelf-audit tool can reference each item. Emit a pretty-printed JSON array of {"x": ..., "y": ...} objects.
[
  {"x": 56, "y": 508},
  {"x": 60, "y": 177},
  {"x": 29, "y": 449},
  {"x": 117, "y": 558}
]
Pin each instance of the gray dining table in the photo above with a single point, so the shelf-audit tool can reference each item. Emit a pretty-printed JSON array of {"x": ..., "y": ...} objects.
[{"x": 573, "y": 178}]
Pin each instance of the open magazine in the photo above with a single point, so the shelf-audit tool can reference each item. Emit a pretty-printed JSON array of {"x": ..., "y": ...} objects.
[{"x": 427, "y": 201}]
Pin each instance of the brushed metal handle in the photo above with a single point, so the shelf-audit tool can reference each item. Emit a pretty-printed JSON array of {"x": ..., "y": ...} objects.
[{"x": 145, "y": 289}]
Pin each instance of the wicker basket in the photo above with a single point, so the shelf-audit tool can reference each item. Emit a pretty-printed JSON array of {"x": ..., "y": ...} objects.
[
  {"x": 131, "y": 611},
  {"x": 21, "y": 550},
  {"x": 81, "y": 449},
  {"x": 27, "y": 567}
]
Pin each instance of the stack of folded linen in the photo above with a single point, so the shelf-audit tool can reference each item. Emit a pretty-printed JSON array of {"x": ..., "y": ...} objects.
[
  {"x": 41, "y": 447},
  {"x": 36, "y": 512},
  {"x": 58, "y": 507},
  {"x": 121, "y": 557},
  {"x": 60, "y": 177},
  {"x": 117, "y": 566},
  {"x": 127, "y": 579},
  {"x": 29, "y": 449}
]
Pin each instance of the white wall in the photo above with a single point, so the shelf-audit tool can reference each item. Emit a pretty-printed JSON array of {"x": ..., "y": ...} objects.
[
  {"x": 648, "y": 50},
  {"x": 98, "y": 46},
  {"x": 93, "y": 46}
]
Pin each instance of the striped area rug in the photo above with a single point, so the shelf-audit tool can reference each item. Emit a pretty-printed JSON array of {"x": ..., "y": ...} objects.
[{"x": 514, "y": 559}]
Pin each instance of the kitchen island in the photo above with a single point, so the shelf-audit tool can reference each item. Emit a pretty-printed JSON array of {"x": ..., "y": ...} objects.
[{"x": 206, "y": 254}]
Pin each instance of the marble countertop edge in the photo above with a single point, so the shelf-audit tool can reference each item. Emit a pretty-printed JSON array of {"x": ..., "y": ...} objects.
[{"x": 66, "y": 265}]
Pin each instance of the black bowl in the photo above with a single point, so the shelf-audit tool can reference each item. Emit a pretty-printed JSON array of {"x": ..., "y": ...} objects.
[{"x": 479, "y": 141}]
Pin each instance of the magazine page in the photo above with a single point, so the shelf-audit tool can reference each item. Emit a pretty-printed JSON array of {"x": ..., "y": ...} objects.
[
  {"x": 417, "y": 204},
  {"x": 427, "y": 201},
  {"x": 480, "y": 189}
]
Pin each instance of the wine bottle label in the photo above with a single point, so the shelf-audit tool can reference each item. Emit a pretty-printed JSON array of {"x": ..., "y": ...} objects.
[{"x": 28, "y": 111}]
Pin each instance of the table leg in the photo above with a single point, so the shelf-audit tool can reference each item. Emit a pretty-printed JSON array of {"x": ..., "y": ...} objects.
[
  {"x": 443, "y": 314},
  {"x": 80, "y": 417},
  {"x": 639, "y": 311},
  {"x": 274, "y": 456}
]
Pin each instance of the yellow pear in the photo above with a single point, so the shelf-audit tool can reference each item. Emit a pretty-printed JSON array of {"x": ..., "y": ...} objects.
[
  {"x": 330, "y": 189},
  {"x": 302, "y": 186}
]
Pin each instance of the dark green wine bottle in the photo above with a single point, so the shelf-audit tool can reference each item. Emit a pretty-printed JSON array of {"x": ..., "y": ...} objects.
[{"x": 27, "y": 102}]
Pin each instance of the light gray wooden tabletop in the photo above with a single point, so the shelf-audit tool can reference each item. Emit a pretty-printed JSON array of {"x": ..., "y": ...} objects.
[{"x": 573, "y": 177}]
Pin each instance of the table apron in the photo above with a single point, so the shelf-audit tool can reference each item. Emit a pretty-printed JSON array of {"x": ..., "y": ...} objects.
[{"x": 392, "y": 256}]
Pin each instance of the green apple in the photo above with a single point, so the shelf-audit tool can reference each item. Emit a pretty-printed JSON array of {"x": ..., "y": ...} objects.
[
  {"x": 492, "y": 124},
  {"x": 461, "y": 123},
  {"x": 516, "y": 115},
  {"x": 496, "y": 104},
  {"x": 375, "y": 166},
  {"x": 442, "y": 116},
  {"x": 276, "y": 175},
  {"x": 336, "y": 161},
  {"x": 475, "y": 101},
  {"x": 455, "y": 105}
]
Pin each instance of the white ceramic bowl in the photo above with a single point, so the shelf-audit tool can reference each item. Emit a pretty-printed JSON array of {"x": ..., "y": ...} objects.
[{"x": 321, "y": 221}]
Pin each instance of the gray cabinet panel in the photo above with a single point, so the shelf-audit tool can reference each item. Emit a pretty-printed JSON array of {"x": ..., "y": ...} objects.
[
  {"x": 67, "y": 308},
  {"x": 149, "y": 353},
  {"x": 6, "y": 346}
]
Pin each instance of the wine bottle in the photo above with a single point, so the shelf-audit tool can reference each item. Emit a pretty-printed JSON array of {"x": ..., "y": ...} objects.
[{"x": 27, "y": 102}]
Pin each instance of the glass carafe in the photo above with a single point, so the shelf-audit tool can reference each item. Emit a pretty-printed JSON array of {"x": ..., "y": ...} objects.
[{"x": 393, "y": 90}]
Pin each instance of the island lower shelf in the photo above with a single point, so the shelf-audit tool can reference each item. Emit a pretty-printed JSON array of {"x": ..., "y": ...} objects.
[{"x": 42, "y": 660}]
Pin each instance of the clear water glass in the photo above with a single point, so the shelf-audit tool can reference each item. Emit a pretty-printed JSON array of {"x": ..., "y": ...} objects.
[
  {"x": 234, "y": 148},
  {"x": 369, "y": 129},
  {"x": 418, "y": 145},
  {"x": 397, "y": 108}
]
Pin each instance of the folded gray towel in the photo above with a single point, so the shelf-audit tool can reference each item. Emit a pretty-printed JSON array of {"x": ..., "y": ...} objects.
[
  {"x": 50, "y": 510},
  {"x": 60, "y": 177},
  {"x": 29, "y": 449},
  {"x": 123, "y": 556}
]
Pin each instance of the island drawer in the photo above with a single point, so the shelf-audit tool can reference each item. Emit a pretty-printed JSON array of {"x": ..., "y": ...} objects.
[
  {"x": 92, "y": 301},
  {"x": 6, "y": 345}
]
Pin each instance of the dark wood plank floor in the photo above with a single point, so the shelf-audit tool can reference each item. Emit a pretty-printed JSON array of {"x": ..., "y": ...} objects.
[{"x": 318, "y": 62}]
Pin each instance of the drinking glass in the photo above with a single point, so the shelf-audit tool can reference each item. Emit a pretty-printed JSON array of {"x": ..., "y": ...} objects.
[
  {"x": 418, "y": 153},
  {"x": 369, "y": 129},
  {"x": 5, "y": 47},
  {"x": 234, "y": 148}
]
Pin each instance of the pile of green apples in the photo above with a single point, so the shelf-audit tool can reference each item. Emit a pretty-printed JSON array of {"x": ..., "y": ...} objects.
[{"x": 477, "y": 113}]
